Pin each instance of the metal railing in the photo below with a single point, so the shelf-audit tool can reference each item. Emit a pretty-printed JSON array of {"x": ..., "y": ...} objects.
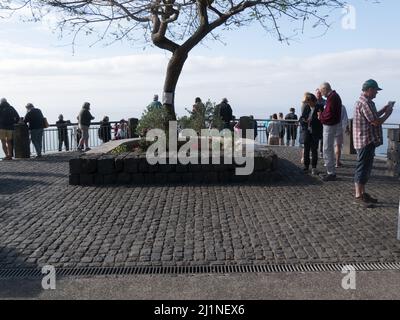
[{"x": 51, "y": 140}]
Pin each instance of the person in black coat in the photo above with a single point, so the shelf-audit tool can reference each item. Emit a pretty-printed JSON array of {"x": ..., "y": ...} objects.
[
  {"x": 62, "y": 128},
  {"x": 8, "y": 118},
  {"x": 225, "y": 112},
  {"x": 35, "y": 120},
  {"x": 105, "y": 130},
  {"x": 312, "y": 128}
]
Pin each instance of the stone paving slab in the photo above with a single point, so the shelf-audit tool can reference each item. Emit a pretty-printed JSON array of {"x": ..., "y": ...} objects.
[{"x": 296, "y": 219}]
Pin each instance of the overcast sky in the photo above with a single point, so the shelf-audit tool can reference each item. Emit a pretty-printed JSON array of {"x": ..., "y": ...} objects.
[{"x": 252, "y": 69}]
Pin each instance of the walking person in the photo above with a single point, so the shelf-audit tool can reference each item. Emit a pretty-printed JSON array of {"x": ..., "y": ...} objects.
[
  {"x": 291, "y": 127},
  {"x": 84, "y": 121},
  {"x": 312, "y": 128},
  {"x": 330, "y": 119},
  {"x": 62, "y": 128},
  {"x": 340, "y": 136},
  {"x": 274, "y": 130},
  {"x": 367, "y": 135},
  {"x": 35, "y": 121},
  {"x": 8, "y": 118}
]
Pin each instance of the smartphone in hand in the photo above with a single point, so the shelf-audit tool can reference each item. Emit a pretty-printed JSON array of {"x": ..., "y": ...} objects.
[{"x": 391, "y": 103}]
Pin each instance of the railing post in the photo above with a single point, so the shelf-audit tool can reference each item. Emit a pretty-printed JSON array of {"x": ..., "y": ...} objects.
[
  {"x": 348, "y": 144},
  {"x": 393, "y": 152}
]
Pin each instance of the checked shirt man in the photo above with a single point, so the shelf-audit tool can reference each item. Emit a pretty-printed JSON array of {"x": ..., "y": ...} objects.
[{"x": 367, "y": 135}]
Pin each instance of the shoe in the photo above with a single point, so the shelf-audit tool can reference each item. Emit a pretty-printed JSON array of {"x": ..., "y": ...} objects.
[
  {"x": 338, "y": 165},
  {"x": 38, "y": 156},
  {"x": 328, "y": 177},
  {"x": 362, "y": 200},
  {"x": 314, "y": 172},
  {"x": 368, "y": 198},
  {"x": 8, "y": 158},
  {"x": 87, "y": 149}
]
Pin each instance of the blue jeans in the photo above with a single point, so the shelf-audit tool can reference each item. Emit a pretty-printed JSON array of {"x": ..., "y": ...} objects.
[
  {"x": 365, "y": 161},
  {"x": 37, "y": 138}
]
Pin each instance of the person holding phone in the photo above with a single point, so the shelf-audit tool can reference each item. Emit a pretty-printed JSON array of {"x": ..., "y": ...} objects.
[{"x": 367, "y": 135}]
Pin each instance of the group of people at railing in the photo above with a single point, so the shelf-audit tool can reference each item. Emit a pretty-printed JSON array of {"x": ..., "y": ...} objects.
[{"x": 36, "y": 123}]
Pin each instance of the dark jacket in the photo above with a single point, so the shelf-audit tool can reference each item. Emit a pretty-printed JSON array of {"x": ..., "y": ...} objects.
[
  {"x": 85, "y": 117},
  {"x": 225, "y": 111},
  {"x": 333, "y": 110},
  {"x": 34, "y": 118},
  {"x": 105, "y": 131},
  {"x": 62, "y": 127},
  {"x": 316, "y": 125},
  {"x": 8, "y": 116}
]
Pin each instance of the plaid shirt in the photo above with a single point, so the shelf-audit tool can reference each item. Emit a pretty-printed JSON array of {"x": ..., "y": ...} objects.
[{"x": 364, "y": 132}]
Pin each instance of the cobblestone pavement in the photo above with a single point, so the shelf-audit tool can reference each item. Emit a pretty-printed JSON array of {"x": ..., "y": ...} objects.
[{"x": 297, "y": 219}]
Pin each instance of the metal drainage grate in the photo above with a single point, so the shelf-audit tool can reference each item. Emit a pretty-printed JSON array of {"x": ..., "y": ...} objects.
[{"x": 222, "y": 269}]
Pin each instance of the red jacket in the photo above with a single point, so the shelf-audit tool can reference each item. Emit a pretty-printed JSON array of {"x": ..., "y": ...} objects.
[{"x": 333, "y": 110}]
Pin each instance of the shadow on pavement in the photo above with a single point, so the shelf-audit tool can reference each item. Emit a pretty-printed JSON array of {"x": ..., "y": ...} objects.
[
  {"x": 11, "y": 186},
  {"x": 17, "y": 288}
]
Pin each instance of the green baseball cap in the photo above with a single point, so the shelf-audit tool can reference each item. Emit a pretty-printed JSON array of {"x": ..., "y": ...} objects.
[{"x": 370, "y": 84}]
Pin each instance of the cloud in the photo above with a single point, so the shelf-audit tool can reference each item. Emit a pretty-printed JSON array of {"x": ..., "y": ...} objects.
[{"x": 122, "y": 86}]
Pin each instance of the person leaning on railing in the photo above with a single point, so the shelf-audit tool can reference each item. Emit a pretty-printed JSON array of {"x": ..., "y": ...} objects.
[
  {"x": 36, "y": 122},
  {"x": 84, "y": 120},
  {"x": 62, "y": 129}
]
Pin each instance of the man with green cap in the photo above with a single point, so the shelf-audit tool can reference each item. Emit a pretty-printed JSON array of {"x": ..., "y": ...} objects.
[{"x": 367, "y": 135}]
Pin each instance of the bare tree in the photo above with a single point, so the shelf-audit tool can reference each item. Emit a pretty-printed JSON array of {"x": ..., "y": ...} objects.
[{"x": 173, "y": 25}]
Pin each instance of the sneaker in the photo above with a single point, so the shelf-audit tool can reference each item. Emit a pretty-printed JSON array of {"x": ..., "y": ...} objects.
[
  {"x": 368, "y": 198},
  {"x": 7, "y": 158},
  {"x": 314, "y": 171},
  {"x": 328, "y": 177}
]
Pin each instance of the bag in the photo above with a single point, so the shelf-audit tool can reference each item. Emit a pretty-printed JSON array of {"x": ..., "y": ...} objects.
[{"x": 45, "y": 123}]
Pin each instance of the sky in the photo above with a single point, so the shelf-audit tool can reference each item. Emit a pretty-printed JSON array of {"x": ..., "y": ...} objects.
[{"x": 258, "y": 74}]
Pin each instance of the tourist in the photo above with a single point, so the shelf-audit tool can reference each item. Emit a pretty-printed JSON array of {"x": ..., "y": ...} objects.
[
  {"x": 282, "y": 132},
  {"x": 340, "y": 136},
  {"x": 225, "y": 112},
  {"x": 199, "y": 112},
  {"x": 8, "y": 118},
  {"x": 155, "y": 103},
  {"x": 274, "y": 129},
  {"x": 312, "y": 128},
  {"x": 291, "y": 127},
  {"x": 84, "y": 121},
  {"x": 36, "y": 123},
  {"x": 104, "y": 131},
  {"x": 330, "y": 118},
  {"x": 122, "y": 130},
  {"x": 62, "y": 128},
  {"x": 367, "y": 135}
]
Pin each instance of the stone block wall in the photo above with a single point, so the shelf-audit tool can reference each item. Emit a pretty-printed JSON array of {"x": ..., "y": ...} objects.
[{"x": 133, "y": 168}]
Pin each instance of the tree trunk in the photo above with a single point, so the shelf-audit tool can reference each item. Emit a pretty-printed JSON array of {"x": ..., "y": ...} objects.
[{"x": 174, "y": 70}]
